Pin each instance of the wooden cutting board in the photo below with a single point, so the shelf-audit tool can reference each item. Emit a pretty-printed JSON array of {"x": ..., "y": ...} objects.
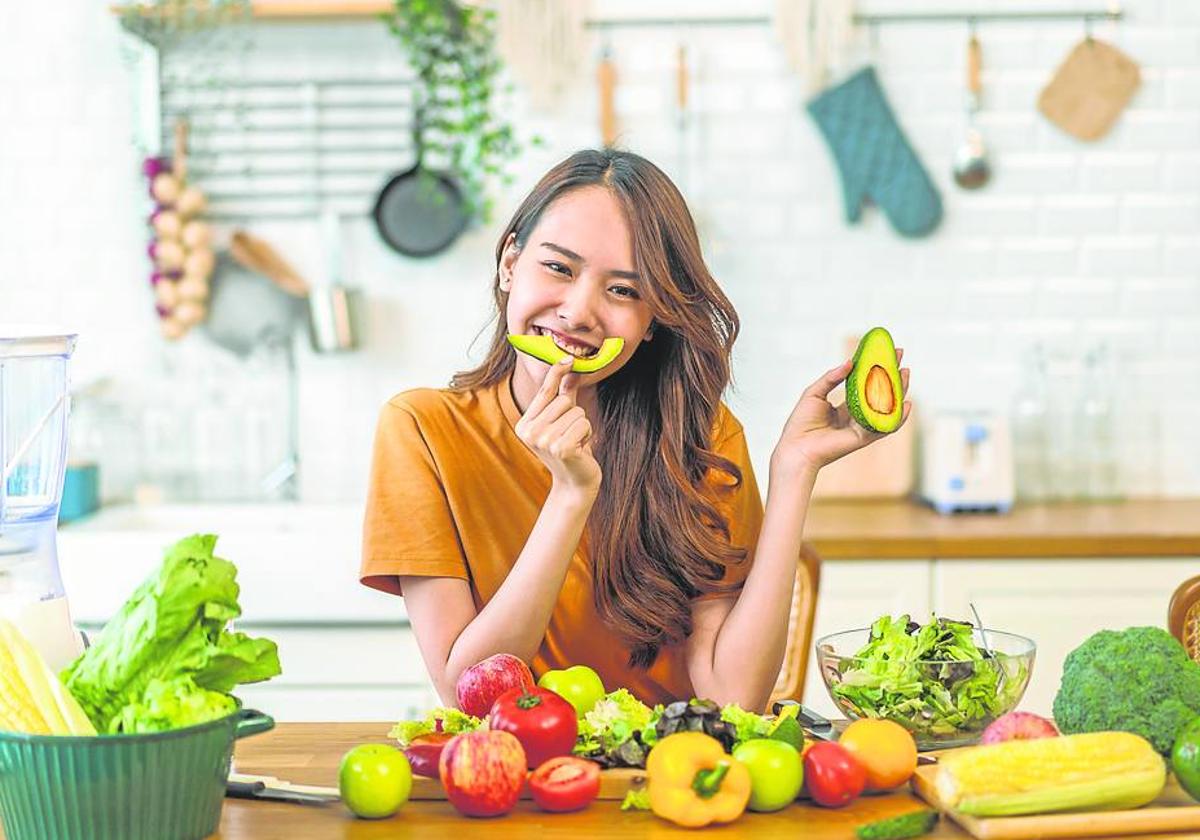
[
  {"x": 614, "y": 784},
  {"x": 1174, "y": 811}
]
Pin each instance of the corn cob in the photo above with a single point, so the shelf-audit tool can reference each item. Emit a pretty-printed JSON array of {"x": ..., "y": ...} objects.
[
  {"x": 1097, "y": 771},
  {"x": 34, "y": 700}
]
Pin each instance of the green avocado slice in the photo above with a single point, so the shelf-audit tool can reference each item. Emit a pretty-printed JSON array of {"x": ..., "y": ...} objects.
[
  {"x": 543, "y": 348},
  {"x": 874, "y": 397}
]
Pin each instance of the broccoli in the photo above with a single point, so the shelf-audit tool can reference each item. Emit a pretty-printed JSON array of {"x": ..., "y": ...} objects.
[{"x": 1138, "y": 680}]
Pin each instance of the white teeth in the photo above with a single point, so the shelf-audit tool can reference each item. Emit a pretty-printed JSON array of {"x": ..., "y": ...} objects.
[{"x": 579, "y": 351}]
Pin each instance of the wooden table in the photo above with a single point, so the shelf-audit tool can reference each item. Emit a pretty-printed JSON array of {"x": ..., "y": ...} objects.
[
  {"x": 308, "y": 753},
  {"x": 898, "y": 528}
]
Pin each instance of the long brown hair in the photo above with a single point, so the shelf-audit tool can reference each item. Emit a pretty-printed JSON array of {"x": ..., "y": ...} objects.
[{"x": 658, "y": 537}]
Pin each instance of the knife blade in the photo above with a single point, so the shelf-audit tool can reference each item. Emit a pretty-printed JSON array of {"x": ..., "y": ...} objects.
[{"x": 259, "y": 790}]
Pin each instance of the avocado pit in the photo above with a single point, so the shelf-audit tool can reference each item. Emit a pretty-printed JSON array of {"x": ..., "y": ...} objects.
[{"x": 879, "y": 390}]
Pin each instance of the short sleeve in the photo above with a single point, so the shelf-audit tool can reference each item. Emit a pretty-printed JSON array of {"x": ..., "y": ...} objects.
[
  {"x": 740, "y": 504},
  {"x": 408, "y": 528}
]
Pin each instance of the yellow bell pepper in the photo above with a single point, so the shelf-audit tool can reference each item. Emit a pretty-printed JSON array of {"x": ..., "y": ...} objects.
[{"x": 694, "y": 782}]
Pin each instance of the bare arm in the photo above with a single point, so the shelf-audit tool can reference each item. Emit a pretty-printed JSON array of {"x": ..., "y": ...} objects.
[
  {"x": 451, "y": 633},
  {"x": 737, "y": 645}
]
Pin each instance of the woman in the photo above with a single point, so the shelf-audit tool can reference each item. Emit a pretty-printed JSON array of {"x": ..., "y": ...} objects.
[{"x": 610, "y": 519}]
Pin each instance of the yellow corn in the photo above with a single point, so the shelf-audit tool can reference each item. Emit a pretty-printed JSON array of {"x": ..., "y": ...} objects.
[
  {"x": 18, "y": 711},
  {"x": 1092, "y": 772},
  {"x": 32, "y": 699}
]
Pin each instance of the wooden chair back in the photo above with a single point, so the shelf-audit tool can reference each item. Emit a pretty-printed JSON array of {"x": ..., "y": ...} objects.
[
  {"x": 1183, "y": 616},
  {"x": 790, "y": 685}
]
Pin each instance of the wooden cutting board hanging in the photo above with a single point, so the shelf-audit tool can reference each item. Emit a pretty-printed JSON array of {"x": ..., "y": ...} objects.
[{"x": 1090, "y": 89}]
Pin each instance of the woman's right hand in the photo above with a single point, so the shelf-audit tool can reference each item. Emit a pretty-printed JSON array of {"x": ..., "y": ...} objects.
[{"x": 558, "y": 431}]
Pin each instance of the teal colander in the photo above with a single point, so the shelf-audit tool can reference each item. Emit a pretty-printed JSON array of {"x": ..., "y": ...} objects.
[{"x": 158, "y": 786}]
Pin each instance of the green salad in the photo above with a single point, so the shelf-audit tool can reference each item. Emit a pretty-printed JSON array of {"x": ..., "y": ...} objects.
[{"x": 931, "y": 678}]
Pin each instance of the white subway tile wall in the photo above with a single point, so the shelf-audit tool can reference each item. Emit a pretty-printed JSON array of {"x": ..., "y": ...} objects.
[{"x": 1070, "y": 244}]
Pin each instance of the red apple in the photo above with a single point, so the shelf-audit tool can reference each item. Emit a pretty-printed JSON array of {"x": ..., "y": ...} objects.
[
  {"x": 1018, "y": 726},
  {"x": 483, "y": 772},
  {"x": 479, "y": 686}
]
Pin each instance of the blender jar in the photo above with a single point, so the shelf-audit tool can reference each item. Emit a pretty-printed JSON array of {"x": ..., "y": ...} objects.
[{"x": 34, "y": 404}]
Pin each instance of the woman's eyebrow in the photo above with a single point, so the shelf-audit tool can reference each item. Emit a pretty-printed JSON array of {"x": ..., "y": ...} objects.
[{"x": 569, "y": 254}]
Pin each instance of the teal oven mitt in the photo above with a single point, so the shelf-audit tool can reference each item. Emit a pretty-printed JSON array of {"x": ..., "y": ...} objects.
[{"x": 874, "y": 157}]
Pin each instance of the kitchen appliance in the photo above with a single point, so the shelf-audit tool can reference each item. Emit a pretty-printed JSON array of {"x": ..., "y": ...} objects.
[
  {"x": 34, "y": 405},
  {"x": 967, "y": 462}
]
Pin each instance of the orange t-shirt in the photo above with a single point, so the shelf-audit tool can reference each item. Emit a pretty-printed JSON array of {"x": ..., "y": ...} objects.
[{"x": 455, "y": 493}]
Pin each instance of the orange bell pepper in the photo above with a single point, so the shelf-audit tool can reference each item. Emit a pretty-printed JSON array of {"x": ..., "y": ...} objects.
[{"x": 694, "y": 782}]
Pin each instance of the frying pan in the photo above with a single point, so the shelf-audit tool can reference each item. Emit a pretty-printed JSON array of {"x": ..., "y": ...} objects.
[{"x": 420, "y": 211}]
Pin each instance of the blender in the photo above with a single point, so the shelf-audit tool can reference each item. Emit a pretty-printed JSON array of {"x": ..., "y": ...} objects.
[{"x": 33, "y": 441}]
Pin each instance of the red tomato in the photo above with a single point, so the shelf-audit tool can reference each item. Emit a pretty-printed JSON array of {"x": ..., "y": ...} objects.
[
  {"x": 833, "y": 776},
  {"x": 565, "y": 783},
  {"x": 544, "y": 723},
  {"x": 424, "y": 751}
]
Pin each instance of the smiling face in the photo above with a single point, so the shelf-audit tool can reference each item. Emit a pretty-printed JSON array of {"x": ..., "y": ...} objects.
[{"x": 574, "y": 280}]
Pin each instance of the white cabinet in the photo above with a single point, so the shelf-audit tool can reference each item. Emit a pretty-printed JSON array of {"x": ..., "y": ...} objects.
[
  {"x": 1058, "y": 603},
  {"x": 853, "y": 594}
]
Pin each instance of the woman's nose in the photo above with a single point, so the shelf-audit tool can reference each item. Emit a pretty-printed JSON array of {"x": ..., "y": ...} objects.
[{"x": 578, "y": 308}]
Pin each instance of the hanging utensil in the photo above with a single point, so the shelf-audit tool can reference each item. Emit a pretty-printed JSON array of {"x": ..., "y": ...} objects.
[
  {"x": 334, "y": 309},
  {"x": 420, "y": 211},
  {"x": 971, "y": 167},
  {"x": 248, "y": 307},
  {"x": 606, "y": 80}
]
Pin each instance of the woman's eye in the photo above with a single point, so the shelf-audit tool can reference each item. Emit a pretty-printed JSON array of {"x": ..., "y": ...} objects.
[
  {"x": 625, "y": 291},
  {"x": 557, "y": 267}
]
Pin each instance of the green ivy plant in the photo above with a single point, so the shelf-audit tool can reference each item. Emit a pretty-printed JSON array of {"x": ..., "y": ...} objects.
[{"x": 452, "y": 48}]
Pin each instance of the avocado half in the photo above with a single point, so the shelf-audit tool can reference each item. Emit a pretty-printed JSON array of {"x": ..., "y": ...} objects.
[
  {"x": 874, "y": 397},
  {"x": 543, "y": 348}
]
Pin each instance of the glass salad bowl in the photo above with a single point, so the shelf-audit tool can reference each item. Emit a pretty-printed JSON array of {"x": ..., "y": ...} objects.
[{"x": 945, "y": 695}]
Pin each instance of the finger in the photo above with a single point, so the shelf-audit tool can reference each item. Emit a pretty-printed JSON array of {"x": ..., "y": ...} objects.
[
  {"x": 552, "y": 413},
  {"x": 904, "y": 374},
  {"x": 829, "y": 380},
  {"x": 899, "y": 354},
  {"x": 578, "y": 433},
  {"x": 569, "y": 385},
  {"x": 549, "y": 387},
  {"x": 564, "y": 421}
]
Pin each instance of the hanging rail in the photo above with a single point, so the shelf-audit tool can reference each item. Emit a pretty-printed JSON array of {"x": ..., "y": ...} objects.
[{"x": 375, "y": 8}]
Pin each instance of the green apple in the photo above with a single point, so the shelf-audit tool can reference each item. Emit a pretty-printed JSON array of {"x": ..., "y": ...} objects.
[
  {"x": 374, "y": 780},
  {"x": 579, "y": 685},
  {"x": 776, "y": 772}
]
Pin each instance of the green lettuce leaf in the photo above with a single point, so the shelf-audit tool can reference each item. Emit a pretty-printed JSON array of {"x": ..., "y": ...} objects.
[
  {"x": 747, "y": 724},
  {"x": 452, "y": 722},
  {"x": 612, "y": 721},
  {"x": 166, "y": 651}
]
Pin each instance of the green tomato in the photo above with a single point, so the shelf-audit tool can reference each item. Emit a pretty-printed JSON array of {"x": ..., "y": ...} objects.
[
  {"x": 1185, "y": 758},
  {"x": 776, "y": 772},
  {"x": 374, "y": 780},
  {"x": 579, "y": 685}
]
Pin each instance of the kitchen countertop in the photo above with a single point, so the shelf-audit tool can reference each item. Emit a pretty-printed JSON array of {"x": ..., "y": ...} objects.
[
  {"x": 309, "y": 753},
  {"x": 898, "y": 528}
]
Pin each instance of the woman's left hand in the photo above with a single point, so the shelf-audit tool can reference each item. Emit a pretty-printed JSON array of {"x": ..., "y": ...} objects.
[{"x": 817, "y": 433}]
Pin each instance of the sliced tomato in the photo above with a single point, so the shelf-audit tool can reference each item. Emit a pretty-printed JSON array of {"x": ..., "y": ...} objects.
[
  {"x": 565, "y": 783},
  {"x": 424, "y": 752}
]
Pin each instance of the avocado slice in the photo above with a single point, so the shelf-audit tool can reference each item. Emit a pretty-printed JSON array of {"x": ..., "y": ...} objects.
[
  {"x": 873, "y": 394},
  {"x": 543, "y": 348}
]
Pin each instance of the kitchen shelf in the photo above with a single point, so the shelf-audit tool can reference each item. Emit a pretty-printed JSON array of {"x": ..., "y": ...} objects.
[{"x": 376, "y": 8}]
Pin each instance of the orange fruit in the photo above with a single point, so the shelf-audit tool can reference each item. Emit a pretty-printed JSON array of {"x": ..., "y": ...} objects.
[{"x": 884, "y": 748}]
